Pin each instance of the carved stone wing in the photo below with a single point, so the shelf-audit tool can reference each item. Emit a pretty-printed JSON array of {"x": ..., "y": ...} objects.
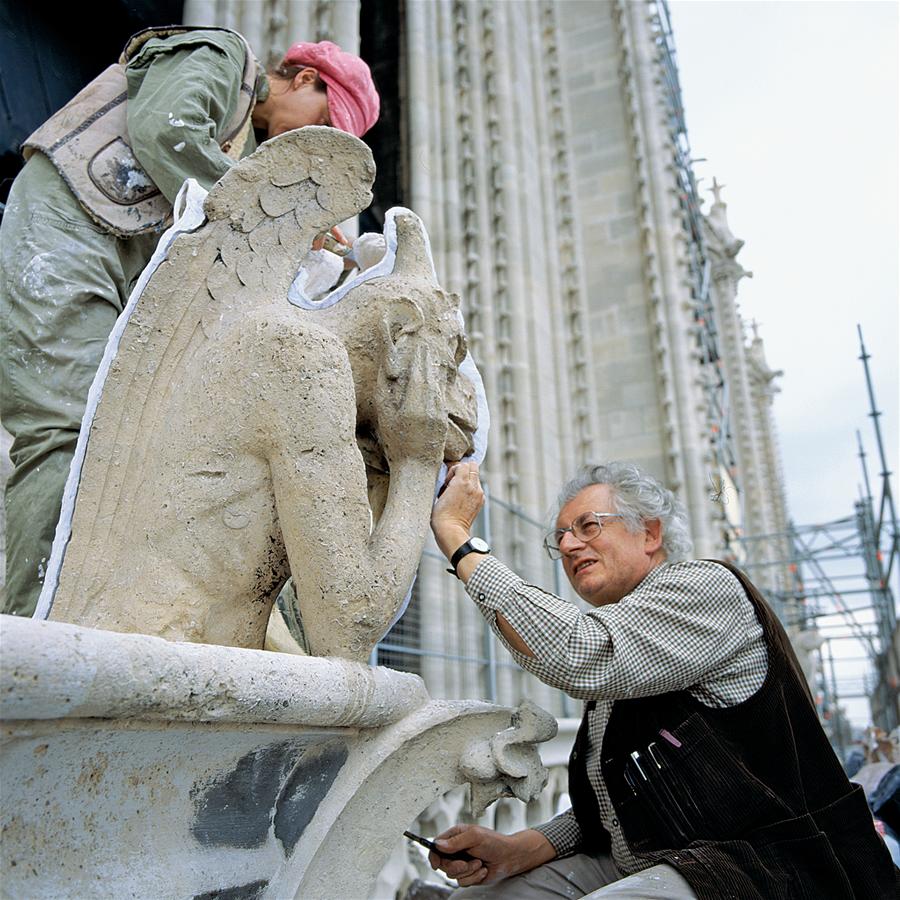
[{"x": 262, "y": 217}]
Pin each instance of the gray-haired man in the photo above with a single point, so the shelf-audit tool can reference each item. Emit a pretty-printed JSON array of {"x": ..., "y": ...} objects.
[{"x": 700, "y": 769}]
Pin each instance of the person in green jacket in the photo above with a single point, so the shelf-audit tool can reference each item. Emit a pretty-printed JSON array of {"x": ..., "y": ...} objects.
[{"x": 75, "y": 238}]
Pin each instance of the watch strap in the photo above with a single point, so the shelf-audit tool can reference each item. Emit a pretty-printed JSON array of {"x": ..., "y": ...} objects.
[{"x": 464, "y": 550}]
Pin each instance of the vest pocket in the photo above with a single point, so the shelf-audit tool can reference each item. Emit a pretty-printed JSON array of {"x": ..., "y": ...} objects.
[
  {"x": 725, "y": 799},
  {"x": 651, "y": 816},
  {"x": 689, "y": 786},
  {"x": 646, "y": 826}
]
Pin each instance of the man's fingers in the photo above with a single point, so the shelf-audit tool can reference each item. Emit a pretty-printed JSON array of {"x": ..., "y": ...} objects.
[
  {"x": 453, "y": 867},
  {"x": 475, "y": 878},
  {"x": 455, "y": 839},
  {"x": 339, "y": 236},
  {"x": 451, "y": 474},
  {"x": 319, "y": 240},
  {"x": 464, "y": 871},
  {"x": 435, "y": 859},
  {"x": 467, "y": 472},
  {"x": 459, "y": 869},
  {"x": 464, "y": 839},
  {"x": 470, "y": 838},
  {"x": 448, "y": 845}
]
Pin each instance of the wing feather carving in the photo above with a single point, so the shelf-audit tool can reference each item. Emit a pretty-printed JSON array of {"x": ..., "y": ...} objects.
[{"x": 262, "y": 217}]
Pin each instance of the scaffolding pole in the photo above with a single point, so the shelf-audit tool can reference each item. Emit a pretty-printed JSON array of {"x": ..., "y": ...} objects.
[
  {"x": 818, "y": 556},
  {"x": 706, "y": 333},
  {"x": 886, "y": 507}
]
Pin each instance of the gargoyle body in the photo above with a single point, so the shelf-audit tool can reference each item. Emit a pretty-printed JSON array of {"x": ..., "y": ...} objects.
[{"x": 224, "y": 453}]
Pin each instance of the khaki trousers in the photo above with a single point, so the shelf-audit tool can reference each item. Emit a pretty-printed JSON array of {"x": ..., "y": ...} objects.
[
  {"x": 63, "y": 283},
  {"x": 585, "y": 876}
]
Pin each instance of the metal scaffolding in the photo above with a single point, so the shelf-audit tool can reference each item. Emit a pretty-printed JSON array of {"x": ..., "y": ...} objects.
[
  {"x": 839, "y": 589},
  {"x": 705, "y": 332},
  {"x": 814, "y": 561}
]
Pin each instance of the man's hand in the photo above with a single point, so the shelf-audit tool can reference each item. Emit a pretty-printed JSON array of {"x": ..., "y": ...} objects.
[
  {"x": 459, "y": 502},
  {"x": 452, "y": 517},
  {"x": 336, "y": 233},
  {"x": 497, "y": 855}
]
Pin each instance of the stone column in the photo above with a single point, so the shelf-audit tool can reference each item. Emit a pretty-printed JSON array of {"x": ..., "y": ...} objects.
[
  {"x": 282, "y": 22},
  {"x": 723, "y": 247},
  {"x": 578, "y": 404},
  {"x": 668, "y": 240},
  {"x": 763, "y": 388}
]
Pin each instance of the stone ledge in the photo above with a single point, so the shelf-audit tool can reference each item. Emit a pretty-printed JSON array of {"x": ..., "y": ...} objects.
[{"x": 53, "y": 670}]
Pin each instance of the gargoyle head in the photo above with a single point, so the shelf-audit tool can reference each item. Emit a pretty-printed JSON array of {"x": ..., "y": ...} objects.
[
  {"x": 425, "y": 324},
  {"x": 399, "y": 321}
]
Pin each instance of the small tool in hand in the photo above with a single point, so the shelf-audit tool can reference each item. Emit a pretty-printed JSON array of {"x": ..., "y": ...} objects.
[{"x": 461, "y": 854}]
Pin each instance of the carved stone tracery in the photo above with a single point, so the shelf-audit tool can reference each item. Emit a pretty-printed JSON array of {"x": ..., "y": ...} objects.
[{"x": 471, "y": 237}]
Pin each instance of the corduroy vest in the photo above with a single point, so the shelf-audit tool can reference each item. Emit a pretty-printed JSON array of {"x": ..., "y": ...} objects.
[
  {"x": 749, "y": 801},
  {"x": 87, "y": 141}
]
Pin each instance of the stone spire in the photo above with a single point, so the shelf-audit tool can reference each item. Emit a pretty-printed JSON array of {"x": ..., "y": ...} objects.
[
  {"x": 761, "y": 372},
  {"x": 720, "y": 238},
  {"x": 717, "y": 192}
]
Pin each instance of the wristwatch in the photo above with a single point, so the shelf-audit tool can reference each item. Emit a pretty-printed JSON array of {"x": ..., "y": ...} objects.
[{"x": 472, "y": 545}]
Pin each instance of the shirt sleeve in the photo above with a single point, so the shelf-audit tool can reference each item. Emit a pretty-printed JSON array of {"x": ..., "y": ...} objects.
[
  {"x": 179, "y": 102},
  {"x": 563, "y": 832},
  {"x": 684, "y": 625}
]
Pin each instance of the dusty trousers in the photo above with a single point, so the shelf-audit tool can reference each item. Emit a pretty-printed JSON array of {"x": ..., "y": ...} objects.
[
  {"x": 587, "y": 876},
  {"x": 63, "y": 283}
]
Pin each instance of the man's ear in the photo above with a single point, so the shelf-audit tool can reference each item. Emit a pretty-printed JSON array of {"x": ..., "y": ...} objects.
[
  {"x": 304, "y": 76},
  {"x": 653, "y": 537}
]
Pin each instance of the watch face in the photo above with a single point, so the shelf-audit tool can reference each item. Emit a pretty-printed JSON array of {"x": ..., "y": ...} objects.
[{"x": 480, "y": 545}]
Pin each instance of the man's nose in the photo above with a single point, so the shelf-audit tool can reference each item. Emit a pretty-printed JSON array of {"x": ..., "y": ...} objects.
[{"x": 568, "y": 543}]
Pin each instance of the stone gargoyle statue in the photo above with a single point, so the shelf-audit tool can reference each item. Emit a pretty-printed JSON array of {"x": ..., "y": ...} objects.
[{"x": 226, "y": 451}]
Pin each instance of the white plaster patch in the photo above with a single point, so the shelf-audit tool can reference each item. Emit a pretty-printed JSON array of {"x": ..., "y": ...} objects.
[
  {"x": 35, "y": 275},
  {"x": 137, "y": 179}
]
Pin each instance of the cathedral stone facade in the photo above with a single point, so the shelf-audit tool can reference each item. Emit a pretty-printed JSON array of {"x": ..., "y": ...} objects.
[{"x": 543, "y": 144}]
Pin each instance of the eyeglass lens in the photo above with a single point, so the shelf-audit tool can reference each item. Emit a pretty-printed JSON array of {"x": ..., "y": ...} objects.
[{"x": 585, "y": 528}]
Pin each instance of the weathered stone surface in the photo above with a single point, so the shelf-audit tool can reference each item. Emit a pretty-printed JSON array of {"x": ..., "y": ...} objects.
[
  {"x": 228, "y": 446},
  {"x": 53, "y": 670},
  {"x": 133, "y": 766},
  {"x": 511, "y": 751}
]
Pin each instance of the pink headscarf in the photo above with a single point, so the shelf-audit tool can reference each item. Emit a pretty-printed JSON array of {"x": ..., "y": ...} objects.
[{"x": 353, "y": 102}]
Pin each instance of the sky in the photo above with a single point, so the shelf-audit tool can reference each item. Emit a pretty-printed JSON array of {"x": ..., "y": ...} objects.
[{"x": 794, "y": 107}]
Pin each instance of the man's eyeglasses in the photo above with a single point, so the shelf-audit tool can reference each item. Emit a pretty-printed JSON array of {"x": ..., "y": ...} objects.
[{"x": 585, "y": 528}]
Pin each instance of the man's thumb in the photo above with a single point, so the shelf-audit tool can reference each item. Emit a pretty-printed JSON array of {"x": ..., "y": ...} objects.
[{"x": 459, "y": 840}]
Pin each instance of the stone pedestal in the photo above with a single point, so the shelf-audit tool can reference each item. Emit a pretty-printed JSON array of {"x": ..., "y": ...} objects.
[{"x": 134, "y": 766}]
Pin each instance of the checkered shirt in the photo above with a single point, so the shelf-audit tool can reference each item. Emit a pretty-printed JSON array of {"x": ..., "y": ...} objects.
[{"x": 686, "y": 626}]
